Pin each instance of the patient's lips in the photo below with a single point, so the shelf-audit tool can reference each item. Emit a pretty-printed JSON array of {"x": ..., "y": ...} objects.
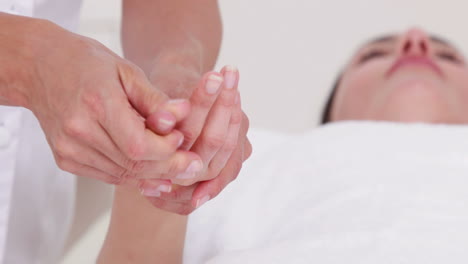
[{"x": 415, "y": 60}]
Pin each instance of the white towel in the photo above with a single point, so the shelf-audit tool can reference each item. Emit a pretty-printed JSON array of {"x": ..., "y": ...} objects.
[{"x": 345, "y": 193}]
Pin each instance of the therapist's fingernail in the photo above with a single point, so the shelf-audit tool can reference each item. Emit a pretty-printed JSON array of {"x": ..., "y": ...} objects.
[
  {"x": 166, "y": 120},
  {"x": 202, "y": 201},
  {"x": 165, "y": 188},
  {"x": 191, "y": 171},
  {"x": 181, "y": 141},
  {"x": 150, "y": 192},
  {"x": 195, "y": 166},
  {"x": 230, "y": 76},
  {"x": 156, "y": 192},
  {"x": 213, "y": 83}
]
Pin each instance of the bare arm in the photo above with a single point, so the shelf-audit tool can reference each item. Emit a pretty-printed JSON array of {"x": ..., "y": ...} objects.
[
  {"x": 16, "y": 59},
  {"x": 166, "y": 35},
  {"x": 170, "y": 40},
  {"x": 140, "y": 233}
]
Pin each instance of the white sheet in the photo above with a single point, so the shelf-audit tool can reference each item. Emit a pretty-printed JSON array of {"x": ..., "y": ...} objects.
[{"x": 344, "y": 193}]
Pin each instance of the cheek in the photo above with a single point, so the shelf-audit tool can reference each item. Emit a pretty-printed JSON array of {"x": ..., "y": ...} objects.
[
  {"x": 459, "y": 80},
  {"x": 358, "y": 91}
]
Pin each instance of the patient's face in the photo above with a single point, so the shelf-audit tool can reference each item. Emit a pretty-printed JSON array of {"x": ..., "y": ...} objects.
[{"x": 407, "y": 78}]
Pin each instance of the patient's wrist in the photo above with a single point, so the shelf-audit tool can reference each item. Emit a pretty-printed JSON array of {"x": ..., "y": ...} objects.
[{"x": 142, "y": 232}]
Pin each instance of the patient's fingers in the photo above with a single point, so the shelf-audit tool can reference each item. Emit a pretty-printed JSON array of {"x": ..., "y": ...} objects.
[
  {"x": 207, "y": 190},
  {"x": 230, "y": 144},
  {"x": 216, "y": 129},
  {"x": 202, "y": 100}
]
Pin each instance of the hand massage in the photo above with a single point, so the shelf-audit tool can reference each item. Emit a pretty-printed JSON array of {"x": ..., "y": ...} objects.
[{"x": 382, "y": 179}]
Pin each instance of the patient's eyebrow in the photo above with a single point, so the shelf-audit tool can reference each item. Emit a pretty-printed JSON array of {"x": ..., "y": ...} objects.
[{"x": 382, "y": 39}]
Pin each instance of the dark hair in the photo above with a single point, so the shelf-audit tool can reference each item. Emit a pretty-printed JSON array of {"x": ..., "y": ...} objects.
[{"x": 326, "y": 112}]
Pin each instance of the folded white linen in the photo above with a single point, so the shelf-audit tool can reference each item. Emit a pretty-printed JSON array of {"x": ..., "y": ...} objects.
[{"x": 351, "y": 192}]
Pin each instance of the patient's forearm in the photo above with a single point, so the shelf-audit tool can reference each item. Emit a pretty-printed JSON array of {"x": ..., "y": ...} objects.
[{"x": 140, "y": 233}]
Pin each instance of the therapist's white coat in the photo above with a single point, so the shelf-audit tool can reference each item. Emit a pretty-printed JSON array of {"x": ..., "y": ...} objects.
[{"x": 36, "y": 198}]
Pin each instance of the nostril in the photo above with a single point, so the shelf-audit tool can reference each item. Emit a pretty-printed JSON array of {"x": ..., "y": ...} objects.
[
  {"x": 406, "y": 47},
  {"x": 423, "y": 47}
]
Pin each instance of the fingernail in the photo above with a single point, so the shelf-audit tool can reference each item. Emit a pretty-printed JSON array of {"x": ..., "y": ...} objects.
[
  {"x": 166, "y": 120},
  {"x": 186, "y": 175},
  {"x": 181, "y": 141},
  {"x": 230, "y": 77},
  {"x": 213, "y": 83},
  {"x": 165, "y": 188},
  {"x": 177, "y": 101},
  {"x": 195, "y": 166},
  {"x": 203, "y": 200},
  {"x": 191, "y": 171},
  {"x": 150, "y": 192}
]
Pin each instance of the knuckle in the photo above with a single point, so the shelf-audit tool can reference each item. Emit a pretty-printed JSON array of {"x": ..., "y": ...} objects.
[
  {"x": 214, "y": 141},
  {"x": 246, "y": 120},
  {"x": 74, "y": 127},
  {"x": 134, "y": 150},
  {"x": 230, "y": 146},
  {"x": 135, "y": 166},
  {"x": 236, "y": 169},
  {"x": 63, "y": 150},
  {"x": 95, "y": 104},
  {"x": 190, "y": 136},
  {"x": 63, "y": 164},
  {"x": 226, "y": 98}
]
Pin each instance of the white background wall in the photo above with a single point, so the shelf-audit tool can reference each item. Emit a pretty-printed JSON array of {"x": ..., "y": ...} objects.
[{"x": 289, "y": 52}]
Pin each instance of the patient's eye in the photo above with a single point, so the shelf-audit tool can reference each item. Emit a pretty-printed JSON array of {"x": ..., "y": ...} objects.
[
  {"x": 372, "y": 54},
  {"x": 448, "y": 56}
]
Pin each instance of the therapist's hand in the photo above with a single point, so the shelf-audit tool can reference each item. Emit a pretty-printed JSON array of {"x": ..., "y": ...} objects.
[
  {"x": 216, "y": 130},
  {"x": 92, "y": 106}
]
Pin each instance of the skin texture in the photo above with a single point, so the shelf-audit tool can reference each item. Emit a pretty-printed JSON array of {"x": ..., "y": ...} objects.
[
  {"x": 91, "y": 103},
  {"x": 175, "y": 42},
  {"x": 414, "y": 92},
  {"x": 178, "y": 63},
  {"x": 102, "y": 113}
]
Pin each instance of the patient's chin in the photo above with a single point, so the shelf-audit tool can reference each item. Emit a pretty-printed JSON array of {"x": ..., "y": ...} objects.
[
  {"x": 416, "y": 100},
  {"x": 422, "y": 106}
]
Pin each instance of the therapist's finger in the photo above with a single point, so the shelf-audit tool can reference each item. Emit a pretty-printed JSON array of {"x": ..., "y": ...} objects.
[
  {"x": 179, "y": 193},
  {"x": 154, "y": 188},
  {"x": 163, "y": 121},
  {"x": 86, "y": 171},
  {"x": 128, "y": 131},
  {"x": 181, "y": 208},
  {"x": 180, "y": 164},
  {"x": 173, "y": 165},
  {"x": 202, "y": 99}
]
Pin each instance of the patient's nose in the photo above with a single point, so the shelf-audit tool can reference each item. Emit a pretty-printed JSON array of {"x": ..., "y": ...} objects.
[{"x": 415, "y": 42}]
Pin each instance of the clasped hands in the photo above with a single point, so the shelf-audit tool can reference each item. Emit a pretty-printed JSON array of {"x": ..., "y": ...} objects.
[
  {"x": 107, "y": 119},
  {"x": 214, "y": 143}
]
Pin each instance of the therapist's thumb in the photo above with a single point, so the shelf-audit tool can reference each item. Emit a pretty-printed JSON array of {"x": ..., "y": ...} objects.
[{"x": 146, "y": 99}]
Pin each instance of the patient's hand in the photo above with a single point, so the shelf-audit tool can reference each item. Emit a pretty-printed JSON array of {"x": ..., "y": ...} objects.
[{"x": 216, "y": 130}]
